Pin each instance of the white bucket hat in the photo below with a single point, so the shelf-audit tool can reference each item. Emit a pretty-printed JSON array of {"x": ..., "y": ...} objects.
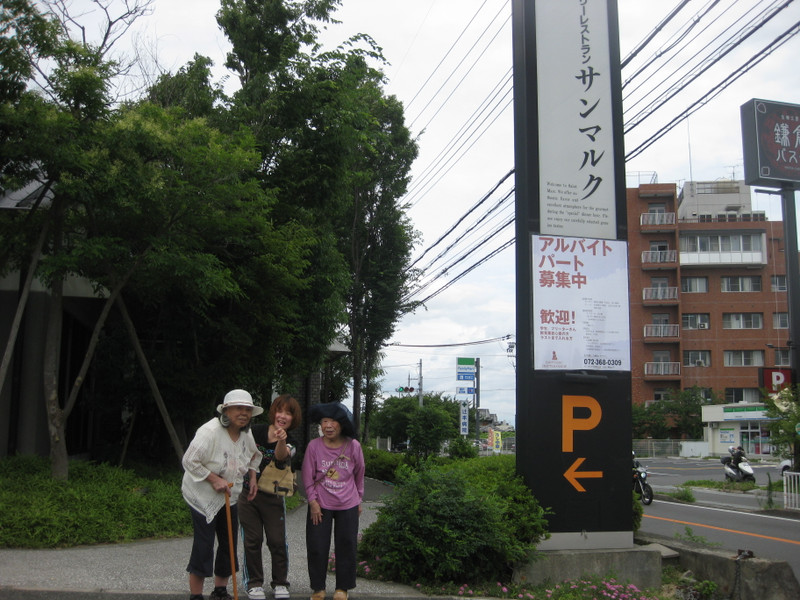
[{"x": 239, "y": 398}]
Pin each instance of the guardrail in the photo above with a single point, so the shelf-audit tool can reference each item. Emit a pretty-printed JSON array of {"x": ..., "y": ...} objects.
[{"x": 791, "y": 490}]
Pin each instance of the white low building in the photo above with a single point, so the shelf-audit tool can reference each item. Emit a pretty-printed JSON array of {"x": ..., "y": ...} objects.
[{"x": 742, "y": 424}]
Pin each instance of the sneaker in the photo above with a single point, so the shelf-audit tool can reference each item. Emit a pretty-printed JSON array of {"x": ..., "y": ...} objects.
[
  {"x": 220, "y": 594},
  {"x": 256, "y": 593},
  {"x": 281, "y": 592}
]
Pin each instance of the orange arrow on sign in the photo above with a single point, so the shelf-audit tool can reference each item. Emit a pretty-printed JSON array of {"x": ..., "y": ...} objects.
[{"x": 572, "y": 474}]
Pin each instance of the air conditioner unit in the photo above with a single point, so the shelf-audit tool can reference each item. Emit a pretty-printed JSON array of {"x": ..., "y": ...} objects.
[
  {"x": 702, "y": 325},
  {"x": 699, "y": 363}
]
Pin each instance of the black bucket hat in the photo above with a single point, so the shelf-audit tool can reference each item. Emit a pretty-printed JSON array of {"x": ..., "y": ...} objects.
[{"x": 336, "y": 411}]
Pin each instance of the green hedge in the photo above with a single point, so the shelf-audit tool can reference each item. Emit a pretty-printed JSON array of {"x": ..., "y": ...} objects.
[
  {"x": 470, "y": 520},
  {"x": 99, "y": 504}
]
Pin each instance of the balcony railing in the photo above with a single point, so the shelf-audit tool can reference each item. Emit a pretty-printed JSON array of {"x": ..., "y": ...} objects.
[
  {"x": 666, "y": 330},
  {"x": 659, "y": 257},
  {"x": 656, "y": 219},
  {"x": 662, "y": 369},
  {"x": 723, "y": 258},
  {"x": 656, "y": 294}
]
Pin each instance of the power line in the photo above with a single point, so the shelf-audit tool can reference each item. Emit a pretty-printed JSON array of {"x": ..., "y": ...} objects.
[
  {"x": 717, "y": 89},
  {"x": 476, "y": 343},
  {"x": 662, "y": 131}
]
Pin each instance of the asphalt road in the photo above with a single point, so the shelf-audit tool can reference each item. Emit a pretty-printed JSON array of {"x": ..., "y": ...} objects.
[
  {"x": 676, "y": 471},
  {"x": 767, "y": 535}
]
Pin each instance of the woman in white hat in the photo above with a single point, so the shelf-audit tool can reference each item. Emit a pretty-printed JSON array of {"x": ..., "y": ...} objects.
[{"x": 221, "y": 454}]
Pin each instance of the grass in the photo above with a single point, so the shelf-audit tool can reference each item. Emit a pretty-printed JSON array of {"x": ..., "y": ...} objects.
[
  {"x": 690, "y": 536},
  {"x": 734, "y": 486},
  {"x": 99, "y": 504},
  {"x": 683, "y": 494}
]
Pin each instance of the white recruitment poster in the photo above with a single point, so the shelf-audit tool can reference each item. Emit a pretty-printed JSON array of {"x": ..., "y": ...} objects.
[{"x": 580, "y": 304}]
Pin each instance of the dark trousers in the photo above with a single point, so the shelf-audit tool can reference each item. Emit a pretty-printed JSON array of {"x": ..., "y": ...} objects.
[
  {"x": 202, "y": 561},
  {"x": 345, "y": 540},
  {"x": 264, "y": 516}
]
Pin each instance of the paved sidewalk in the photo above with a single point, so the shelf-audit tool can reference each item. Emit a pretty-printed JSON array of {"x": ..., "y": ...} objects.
[{"x": 157, "y": 568}]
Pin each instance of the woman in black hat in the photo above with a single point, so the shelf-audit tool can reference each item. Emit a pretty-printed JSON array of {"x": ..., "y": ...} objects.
[{"x": 333, "y": 475}]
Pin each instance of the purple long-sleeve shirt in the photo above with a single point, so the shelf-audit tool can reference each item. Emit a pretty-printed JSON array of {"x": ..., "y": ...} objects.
[{"x": 333, "y": 480}]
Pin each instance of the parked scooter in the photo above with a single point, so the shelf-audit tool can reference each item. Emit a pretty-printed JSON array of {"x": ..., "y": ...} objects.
[
  {"x": 640, "y": 485},
  {"x": 736, "y": 466}
]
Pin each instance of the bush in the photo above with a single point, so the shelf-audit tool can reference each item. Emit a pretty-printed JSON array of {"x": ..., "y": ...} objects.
[
  {"x": 99, "y": 504},
  {"x": 471, "y": 521},
  {"x": 638, "y": 511},
  {"x": 461, "y": 447},
  {"x": 381, "y": 465}
]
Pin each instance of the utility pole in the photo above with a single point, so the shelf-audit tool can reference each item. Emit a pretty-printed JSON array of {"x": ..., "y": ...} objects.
[
  {"x": 477, "y": 398},
  {"x": 420, "y": 383},
  {"x": 792, "y": 285},
  {"x": 792, "y": 288}
]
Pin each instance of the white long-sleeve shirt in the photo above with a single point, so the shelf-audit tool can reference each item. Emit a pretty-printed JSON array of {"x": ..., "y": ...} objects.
[{"x": 213, "y": 451}]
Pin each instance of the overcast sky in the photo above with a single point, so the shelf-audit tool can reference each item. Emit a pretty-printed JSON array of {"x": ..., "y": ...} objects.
[{"x": 446, "y": 57}]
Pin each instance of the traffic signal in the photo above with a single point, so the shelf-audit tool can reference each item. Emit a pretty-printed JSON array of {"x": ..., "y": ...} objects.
[{"x": 405, "y": 389}]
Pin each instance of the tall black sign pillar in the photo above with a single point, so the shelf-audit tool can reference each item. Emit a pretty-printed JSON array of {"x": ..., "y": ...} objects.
[{"x": 573, "y": 330}]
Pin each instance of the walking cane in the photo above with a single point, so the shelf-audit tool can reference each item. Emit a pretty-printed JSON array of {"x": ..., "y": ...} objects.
[{"x": 230, "y": 541}]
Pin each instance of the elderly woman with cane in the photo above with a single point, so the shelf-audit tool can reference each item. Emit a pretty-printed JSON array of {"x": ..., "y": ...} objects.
[
  {"x": 221, "y": 454},
  {"x": 333, "y": 476}
]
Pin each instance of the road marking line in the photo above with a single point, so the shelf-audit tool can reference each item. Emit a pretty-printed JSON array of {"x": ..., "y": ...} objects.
[{"x": 758, "y": 535}]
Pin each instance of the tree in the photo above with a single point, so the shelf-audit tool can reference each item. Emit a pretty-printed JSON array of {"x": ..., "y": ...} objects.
[
  {"x": 51, "y": 139},
  {"x": 683, "y": 409},
  {"x": 392, "y": 418},
  {"x": 650, "y": 421},
  {"x": 639, "y": 419},
  {"x": 149, "y": 197},
  {"x": 429, "y": 427},
  {"x": 783, "y": 409},
  {"x": 337, "y": 150},
  {"x": 402, "y": 418}
]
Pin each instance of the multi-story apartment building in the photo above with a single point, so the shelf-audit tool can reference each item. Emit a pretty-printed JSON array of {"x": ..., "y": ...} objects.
[{"x": 708, "y": 302}]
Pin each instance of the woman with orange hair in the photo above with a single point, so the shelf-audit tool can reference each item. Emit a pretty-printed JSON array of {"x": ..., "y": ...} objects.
[{"x": 265, "y": 514}]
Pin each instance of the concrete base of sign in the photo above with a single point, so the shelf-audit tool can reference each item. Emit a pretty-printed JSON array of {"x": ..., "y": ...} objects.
[
  {"x": 639, "y": 565},
  {"x": 596, "y": 540}
]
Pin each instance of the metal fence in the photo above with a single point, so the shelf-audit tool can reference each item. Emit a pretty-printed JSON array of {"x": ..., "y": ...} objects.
[
  {"x": 791, "y": 490},
  {"x": 656, "y": 448}
]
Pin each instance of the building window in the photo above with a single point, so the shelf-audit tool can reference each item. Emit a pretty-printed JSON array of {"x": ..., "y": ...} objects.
[
  {"x": 697, "y": 358},
  {"x": 743, "y": 358},
  {"x": 695, "y": 321},
  {"x": 778, "y": 283},
  {"x": 716, "y": 187},
  {"x": 755, "y": 437},
  {"x": 735, "y": 395},
  {"x": 706, "y": 394},
  {"x": 750, "y": 283},
  {"x": 694, "y": 285},
  {"x": 742, "y": 321},
  {"x": 782, "y": 357},
  {"x": 661, "y": 356},
  {"x": 780, "y": 320},
  {"x": 661, "y": 394},
  {"x": 705, "y": 242}
]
